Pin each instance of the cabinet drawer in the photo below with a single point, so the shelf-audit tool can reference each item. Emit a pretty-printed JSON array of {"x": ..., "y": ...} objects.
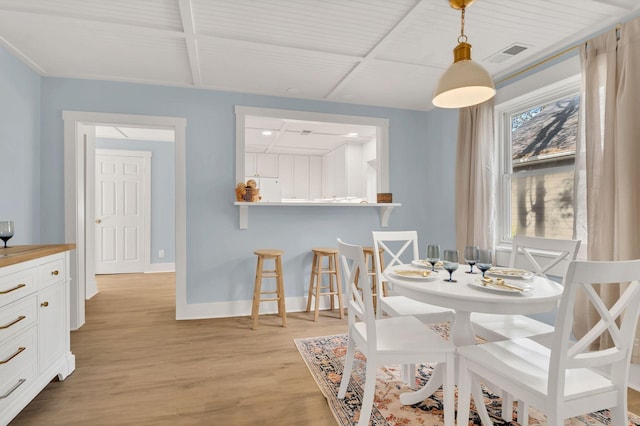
[
  {"x": 16, "y": 317},
  {"x": 18, "y": 366},
  {"x": 16, "y": 285},
  {"x": 51, "y": 272}
]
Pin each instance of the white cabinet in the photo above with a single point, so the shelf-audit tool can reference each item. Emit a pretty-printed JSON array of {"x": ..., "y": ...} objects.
[
  {"x": 264, "y": 165},
  {"x": 315, "y": 177},
  {"x": 51, "y": 314},
  {"x": 342, "y": 173},
  {"x": 286, "y": 175},
  {"x": 34, "y": 328},
  {"x": 300, "y": 176}
]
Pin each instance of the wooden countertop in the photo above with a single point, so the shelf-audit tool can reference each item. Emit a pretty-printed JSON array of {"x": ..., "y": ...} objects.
[{"x": 17, "y": 254}]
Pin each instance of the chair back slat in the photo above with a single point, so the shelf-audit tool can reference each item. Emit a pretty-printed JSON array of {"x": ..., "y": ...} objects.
[
  {"x": 619, "y": 322},
  {"x": 385, "y": 240},
  {"x": 360, "y": 306},
  {"x": 559, "y": 250}
]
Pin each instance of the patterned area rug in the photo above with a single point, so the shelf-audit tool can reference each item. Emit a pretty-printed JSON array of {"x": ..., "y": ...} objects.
[{"x": 325, "y": 358}]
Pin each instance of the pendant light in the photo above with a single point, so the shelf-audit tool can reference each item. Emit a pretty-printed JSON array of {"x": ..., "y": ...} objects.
[{"x": 465, "y": 83}]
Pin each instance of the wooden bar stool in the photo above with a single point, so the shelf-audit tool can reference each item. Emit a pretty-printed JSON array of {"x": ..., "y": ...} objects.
[
  {"x": 369, "y": 262},
  {"x": 261, "y": 273},
  {"x": 334, "y": 288}
]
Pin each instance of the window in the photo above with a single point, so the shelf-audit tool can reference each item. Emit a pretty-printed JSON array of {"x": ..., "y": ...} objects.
[{"x": 538, "y": 134}]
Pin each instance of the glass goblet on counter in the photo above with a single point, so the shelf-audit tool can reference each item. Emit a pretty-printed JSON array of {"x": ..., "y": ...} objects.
[{"x": 6, "y": 231}]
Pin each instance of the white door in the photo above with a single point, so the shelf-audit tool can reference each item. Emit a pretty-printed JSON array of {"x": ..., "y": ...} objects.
[{"x": 122, "y": 177}]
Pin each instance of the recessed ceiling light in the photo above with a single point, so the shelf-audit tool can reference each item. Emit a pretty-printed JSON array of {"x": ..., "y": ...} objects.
[
  {"x": 352, "y": 134},
  {"x": 266, "y": 132}
]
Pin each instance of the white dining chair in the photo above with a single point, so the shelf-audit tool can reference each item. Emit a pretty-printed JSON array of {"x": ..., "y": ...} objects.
[
  {"x": 541, "y": 256},
  {"x": 569, "y": 378},
  {"x": 402, "y": 247},
  {"x": 397, "y": 340}
]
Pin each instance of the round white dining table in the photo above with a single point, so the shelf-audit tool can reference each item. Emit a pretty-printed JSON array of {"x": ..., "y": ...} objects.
[{"x": 465, "y": 298}]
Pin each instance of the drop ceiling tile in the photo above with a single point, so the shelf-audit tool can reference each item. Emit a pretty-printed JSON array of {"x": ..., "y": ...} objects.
[
  {"x": 390, "y": 84},
  {"x": 336, "y": 26},
  {"x": 161, "y": 14},
  {"x": 84, "y": 50},
  {"x": 255, "y": 69}
]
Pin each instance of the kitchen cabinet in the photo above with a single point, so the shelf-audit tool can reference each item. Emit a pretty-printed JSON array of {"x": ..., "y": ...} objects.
[
  {"x": 342, "y": 173},
  {"x": 300, "y": 176},
  {"x": 315, "y": 177},
  {"x": 34, "y": 323},
  {"x": 286, "y": 175},
  {"x": 264, "y": 165}
]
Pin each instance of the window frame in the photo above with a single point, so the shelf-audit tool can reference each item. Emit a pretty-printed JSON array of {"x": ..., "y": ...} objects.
[{"x": 503, "y": 112}]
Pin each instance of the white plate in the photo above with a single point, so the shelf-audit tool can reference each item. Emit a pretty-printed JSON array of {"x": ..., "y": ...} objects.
[
  {"x": 422, "y": 263},
  {"x": 494, "y": 287},
  {"x": 405, "y": 272},
  {"x": 497, "y": 271}
]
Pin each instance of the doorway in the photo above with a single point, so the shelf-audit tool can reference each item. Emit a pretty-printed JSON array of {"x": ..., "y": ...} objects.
[{"x": 79, "y": 209}]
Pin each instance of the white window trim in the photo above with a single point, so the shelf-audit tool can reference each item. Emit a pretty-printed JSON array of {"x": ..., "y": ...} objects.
[{"x": 503, "y": 112}]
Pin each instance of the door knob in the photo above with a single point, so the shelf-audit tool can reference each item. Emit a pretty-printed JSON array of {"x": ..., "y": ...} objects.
[{"x": 98, "y": 221}]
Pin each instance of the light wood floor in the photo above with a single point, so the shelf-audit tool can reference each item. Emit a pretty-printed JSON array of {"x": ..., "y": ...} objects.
[{"x": 136, "y": 365}]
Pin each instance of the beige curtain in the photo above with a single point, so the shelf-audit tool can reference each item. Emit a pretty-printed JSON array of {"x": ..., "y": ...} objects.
[
  {"x": 475, "y": 177},
  {"x": 611, "y": 137}
]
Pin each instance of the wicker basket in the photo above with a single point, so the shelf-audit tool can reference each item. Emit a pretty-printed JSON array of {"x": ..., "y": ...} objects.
[{"x": 252, "y": 195}]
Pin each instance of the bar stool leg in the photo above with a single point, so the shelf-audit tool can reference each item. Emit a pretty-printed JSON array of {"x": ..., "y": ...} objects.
[
  {"x": 332, "y": 288},
  {"x": 280, "y": 290},
  {"x": 339, "y": 284},
  {"x": 311, "y": 281},
  {"x": 255, "y": 308},
  {"x": 317, "y": 288}
]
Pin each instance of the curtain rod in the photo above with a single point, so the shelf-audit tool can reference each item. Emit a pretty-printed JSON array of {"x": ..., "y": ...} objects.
[{"x": 551, "y": 58}]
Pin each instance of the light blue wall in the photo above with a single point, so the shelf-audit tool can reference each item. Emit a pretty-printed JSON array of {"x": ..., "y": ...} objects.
[
  {"x": 20, "y": 148},
  {"x": 220, "y": 260},
  {"x": 163, "y": 191}
]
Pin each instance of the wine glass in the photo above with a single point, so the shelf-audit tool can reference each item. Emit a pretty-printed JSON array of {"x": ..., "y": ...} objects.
[
  {"x": 450, "y": 263},
  {"x": 433, "y": 255},
  {"x": 471, "y": 257},
  {"x": 484, "y": 260},
  {"x": 6, "y": 231}
]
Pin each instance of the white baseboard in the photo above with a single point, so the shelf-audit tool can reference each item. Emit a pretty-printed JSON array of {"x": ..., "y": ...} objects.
[
  {"x": 153, "y": 268},
  {"x": 242, "y": 308}
]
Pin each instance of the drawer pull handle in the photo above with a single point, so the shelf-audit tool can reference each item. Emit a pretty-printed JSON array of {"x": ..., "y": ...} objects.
[
  {"x": 20, "y": 318},
  {"x": 18, "y": 287},
  {"x": 20, "y": 349},
  {"x": 56, "y": 272},
  {"x": 44, "y": 304},
  {"x": 10, "y": 391}
]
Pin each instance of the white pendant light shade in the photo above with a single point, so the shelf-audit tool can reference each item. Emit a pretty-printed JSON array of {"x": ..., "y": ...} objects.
[{"x": 465, "y": 83}]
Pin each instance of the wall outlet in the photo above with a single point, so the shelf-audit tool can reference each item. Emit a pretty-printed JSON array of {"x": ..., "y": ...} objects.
[{"x": 160, "y": 253}]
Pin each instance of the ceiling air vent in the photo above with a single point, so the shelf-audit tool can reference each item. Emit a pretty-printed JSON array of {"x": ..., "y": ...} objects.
[
  {"x": 507, "y": 53},
  {"x": 306, "y": 132}
]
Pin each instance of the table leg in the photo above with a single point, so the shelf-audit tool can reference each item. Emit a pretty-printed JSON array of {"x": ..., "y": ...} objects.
[
  {"x": 461, "y": 335},
  {"x": 434, "y": 383}
]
